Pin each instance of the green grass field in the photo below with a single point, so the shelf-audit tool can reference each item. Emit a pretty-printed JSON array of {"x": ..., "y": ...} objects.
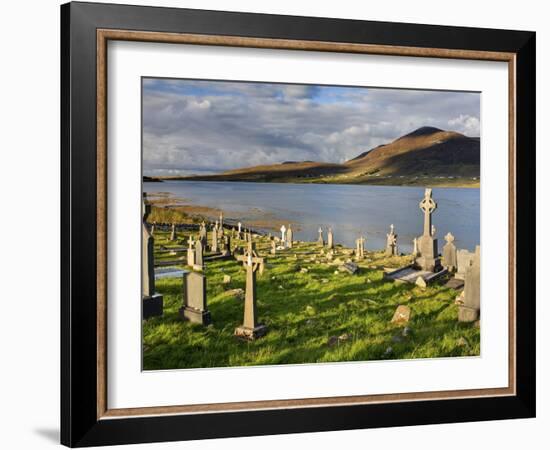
[{"x": 313, "y": 315}]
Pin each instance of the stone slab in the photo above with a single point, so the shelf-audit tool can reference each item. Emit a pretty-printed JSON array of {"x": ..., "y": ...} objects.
[
  {"x": 169, "y": 272},
  {"x": 409, "y": 274}
]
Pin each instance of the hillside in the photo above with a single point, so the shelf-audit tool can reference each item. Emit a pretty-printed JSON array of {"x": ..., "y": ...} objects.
[{"x": 426, "y": 156}]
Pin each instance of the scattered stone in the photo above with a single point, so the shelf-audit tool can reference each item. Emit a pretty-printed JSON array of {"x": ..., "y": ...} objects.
[
  {"x": 226, "y": 279},
  {"x": 350, "y": 268},
  {"x": 402, "y": 314},
  {"x": 324, "y": 280},
  {"x": 344, "y": 337},
  {"x": 310, "y": 310},
  {"x": 304, "y": 270},
  {"x": 336, "y": 272},
  {"x": 462, "y": 342},
  {"x": 388, "y": 351},
  {"x": 420, "y": 282},
  {"x": 281, "y": 287},
  {"x": 407, "y": 331},
  {"x": 369, "y": 280}
]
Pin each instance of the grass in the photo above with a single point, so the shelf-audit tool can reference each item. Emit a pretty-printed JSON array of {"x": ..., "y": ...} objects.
[{"x": 312, "y": 316}]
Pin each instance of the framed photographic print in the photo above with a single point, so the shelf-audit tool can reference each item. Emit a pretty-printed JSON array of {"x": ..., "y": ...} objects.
[{"x": 278, "y": 224}]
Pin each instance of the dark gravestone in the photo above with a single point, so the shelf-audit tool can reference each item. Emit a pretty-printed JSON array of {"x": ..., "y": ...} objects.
[
  {"x": 152, "y": 303},
  {"x": 194, "y": 296}
]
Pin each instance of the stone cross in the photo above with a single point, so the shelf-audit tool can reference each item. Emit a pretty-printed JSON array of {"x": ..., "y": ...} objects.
[
  {"x": 449, "y": 260},
  {"x": 428, "y": 205},
  {"x": 320, "y": 240},
  {"x": 214, "y": 245},
  {"x": 173, "y": 232},
  {"x": 330, "y": 239},
  {"x": 289, "y": 236},
  {"x": 190, "y": 251},
  {"x": 283, "y": 234},
  {"x": 391, "y": 243},
  {"x": 250, "y": 329},
  {"x": 152, "y": 303},
  {"x": 239, "y": 225}
]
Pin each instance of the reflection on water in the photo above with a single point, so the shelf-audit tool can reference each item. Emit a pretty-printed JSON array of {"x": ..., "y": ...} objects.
[{"x": 351, "y": 210}]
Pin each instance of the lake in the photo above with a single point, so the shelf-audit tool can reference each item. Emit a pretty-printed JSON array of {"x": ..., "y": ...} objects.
[{"x": 351, "y": 210}]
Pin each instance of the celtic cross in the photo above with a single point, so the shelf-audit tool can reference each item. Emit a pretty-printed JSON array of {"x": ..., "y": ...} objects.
[{"x": 428, "y": 206}]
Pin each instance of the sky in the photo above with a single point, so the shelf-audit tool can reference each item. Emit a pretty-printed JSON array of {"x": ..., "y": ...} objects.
[{"x": 203, "y": 126}]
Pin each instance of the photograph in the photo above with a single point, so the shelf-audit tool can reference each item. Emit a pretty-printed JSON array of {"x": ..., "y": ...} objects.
[{"x": 307, "y": 224}]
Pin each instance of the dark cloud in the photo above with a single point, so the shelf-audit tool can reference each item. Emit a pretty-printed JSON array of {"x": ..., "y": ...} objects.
[{"x": 194, "y": 126}]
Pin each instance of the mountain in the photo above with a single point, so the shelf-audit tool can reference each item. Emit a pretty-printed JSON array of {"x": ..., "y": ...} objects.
[{"x": 427, "y": 155}]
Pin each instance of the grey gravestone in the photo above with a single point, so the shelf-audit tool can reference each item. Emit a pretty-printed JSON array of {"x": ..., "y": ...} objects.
[
  {"x": 199, "y": 261},
  {"x": 464, "y": 259},
  {"x": 289, "y": 237},
  {"x": 469, "y": 310},
  {"x": 152, "y": 303},
  {"x": 427, "y": 244},
  {"x": 173, "y": 235},
  {"x": 194, "y": 294},
  {"x": 349, "y": 267},
  {"x": 190, "y": 251},
  {"x": 273, "y": 247},
  {"x": 360, "y": 248},
  {"x": 214, "y": 245},
  {"x": 250, "y": 329},
  {"x": 202, "y": 234},
  {"x": 415, "y": 247},
  {"x": 321, "y": 240},
  {"x": 449, "y": 253},
  {"x": 391, "y": 243},
  {"x": 330, "y": 239}
]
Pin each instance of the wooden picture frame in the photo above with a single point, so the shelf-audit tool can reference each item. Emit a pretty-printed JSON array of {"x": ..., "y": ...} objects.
[{"x": 86, "y": 418}]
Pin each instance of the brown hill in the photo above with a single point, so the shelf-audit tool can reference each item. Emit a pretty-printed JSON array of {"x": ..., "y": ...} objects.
[{"x": 427, "y": 152}]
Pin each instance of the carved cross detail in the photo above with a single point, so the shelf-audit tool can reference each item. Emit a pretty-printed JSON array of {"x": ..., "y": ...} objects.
[{"x": 428, "y": 205}]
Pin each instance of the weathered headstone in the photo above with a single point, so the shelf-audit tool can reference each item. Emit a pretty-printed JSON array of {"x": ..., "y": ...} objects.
[
  {"x": 250, "y": 329},
  {"x": 415, "y": 247},
  {"x": 152, "y": 303},
  {"x": 190, "y": 251},
  {"x": 214, "y": 244},
  {"x": 321, "y": 240},
  {"x": 289, "y": 236},
  {"x": 464, "y": 259},
  {"x": 469, "y": 310},
  {"x": 449, "y": 254},
  {"x": 427, "y": 244},
  {"x": 221, "y": 219},
  {"x": 360, "y": 248},
  {"x": 194, "y": 294},
  {"x": 391, "y": 243},
  {"x": 199, "y": 262},
  {"x": 330, "y": 239},
  {"x": 202, "y": 233},
  {"x": 273, "y": 247},
  {"x": 349, "y": 267},
  {"x": 226, "y": 245},
  {"x": 173, "y": 235}
]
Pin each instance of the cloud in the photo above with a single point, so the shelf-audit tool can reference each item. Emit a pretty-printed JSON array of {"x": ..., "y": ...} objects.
[{"x": 195, "y": 126}]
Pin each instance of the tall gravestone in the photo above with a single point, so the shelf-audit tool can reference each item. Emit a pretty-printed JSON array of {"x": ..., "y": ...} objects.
[
  {"x": 250, "y": 329},
  {"x": 427, "y": 243},
  {"x": 330, "y": 239},
  {"x": 464, "y": 259},
  {"x": 320, "y": 239},
  {"x": 194, "y": 307},
  {"x": 469, "y": 310},
  {"x": 449, "y": 253},
  {"x": 360, "y": 247},
  {"x": 190, "y": 251},
  {"x": 152, "y": 303},
  {"x": 199, "y": 261},
  {"x": 289, "y": 237},
  {"x": 392, "y": 248},
  {"x": 173, "y": 232},
  {"x": 214, "y": 245}
]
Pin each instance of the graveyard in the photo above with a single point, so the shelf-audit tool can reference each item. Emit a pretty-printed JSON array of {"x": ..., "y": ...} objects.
[{"x": 302, "y": 302}]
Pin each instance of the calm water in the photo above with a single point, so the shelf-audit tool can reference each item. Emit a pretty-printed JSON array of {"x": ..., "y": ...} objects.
[{"x": 349, "y": 210}]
